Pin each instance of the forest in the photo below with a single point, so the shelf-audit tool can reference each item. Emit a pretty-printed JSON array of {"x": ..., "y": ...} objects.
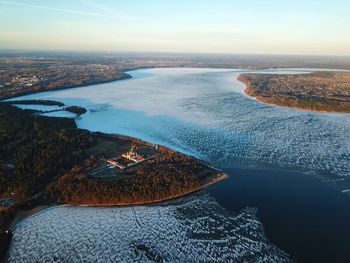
[
  {"x": 35, "y": 150},
  {"x": 46, "y": 160},
  {"x": 169, "y": 176}
]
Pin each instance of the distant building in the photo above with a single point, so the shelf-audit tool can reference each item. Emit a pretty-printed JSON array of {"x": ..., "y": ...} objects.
[
  {"x": 126, "y": 159},
  {"x": 133, "y": 155}
]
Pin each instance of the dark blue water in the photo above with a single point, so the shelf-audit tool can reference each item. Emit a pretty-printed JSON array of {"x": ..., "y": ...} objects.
[{"x": 305, "y": 217}]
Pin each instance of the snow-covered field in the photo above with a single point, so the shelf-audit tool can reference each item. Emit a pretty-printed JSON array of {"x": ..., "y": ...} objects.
[
  {"x": 48, "y": 110},
  {"x": 38, "y": 107},
  {"x": 192, "y": 229},
  {"x": 61, "y": 113}
]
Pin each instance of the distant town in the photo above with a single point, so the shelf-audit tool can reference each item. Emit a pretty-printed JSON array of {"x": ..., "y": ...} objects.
[{"x": 23, "y": 73}]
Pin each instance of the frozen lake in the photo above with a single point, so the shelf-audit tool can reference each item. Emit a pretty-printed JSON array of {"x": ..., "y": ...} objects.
[
  {"x": 194, "y": 229},
  {"x": 204, "y": 112}
]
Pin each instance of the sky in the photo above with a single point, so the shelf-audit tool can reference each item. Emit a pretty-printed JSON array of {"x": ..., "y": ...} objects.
[{"x": 315, "y": 27}]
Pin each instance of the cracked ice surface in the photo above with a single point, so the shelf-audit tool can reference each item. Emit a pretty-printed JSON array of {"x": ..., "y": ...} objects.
[
  {"x": 193, "y": 229},
  {"x": 205, "y": 112}
]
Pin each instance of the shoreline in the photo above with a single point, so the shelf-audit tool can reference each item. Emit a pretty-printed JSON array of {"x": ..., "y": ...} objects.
[
  {"x": 30, "y": 92},
  {"x": 219, "y": 177},
  {"x": 127, "y": 76},
  {"x": 23, "y": 215},
  {"x": 247, "y": 91}
]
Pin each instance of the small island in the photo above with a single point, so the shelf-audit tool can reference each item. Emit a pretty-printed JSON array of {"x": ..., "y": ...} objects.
[
  {"x": 49, "y": 161},
  {"x": 75, "y": 109},
  {"x": 318, "y": 91}
]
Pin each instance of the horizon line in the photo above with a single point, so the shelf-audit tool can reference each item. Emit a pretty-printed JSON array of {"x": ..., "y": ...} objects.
[{"x": 169, "y": 52}]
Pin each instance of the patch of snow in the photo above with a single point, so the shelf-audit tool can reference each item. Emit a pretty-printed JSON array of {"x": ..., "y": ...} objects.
[
  {"x": 38, "y": 107},
  {"x": 61, "y": 113},
  {"x": 192, "y": 229}
]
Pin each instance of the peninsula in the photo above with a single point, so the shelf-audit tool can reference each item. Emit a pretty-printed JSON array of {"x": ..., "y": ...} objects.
[
  {"x": 318, "y": 91},
  {"x": 48, "y": 160}
]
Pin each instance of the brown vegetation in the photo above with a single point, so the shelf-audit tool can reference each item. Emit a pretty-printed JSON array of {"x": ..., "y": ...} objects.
[
  {"x": 52, "y": 158},
  {"x": 319, "y": 91}
]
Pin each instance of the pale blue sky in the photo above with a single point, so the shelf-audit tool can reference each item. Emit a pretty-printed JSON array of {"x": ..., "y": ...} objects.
[{"x": 215, "y": 26}]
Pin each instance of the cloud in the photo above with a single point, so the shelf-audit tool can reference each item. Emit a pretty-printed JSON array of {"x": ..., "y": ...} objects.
[{"x": 70, "y": 11}]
